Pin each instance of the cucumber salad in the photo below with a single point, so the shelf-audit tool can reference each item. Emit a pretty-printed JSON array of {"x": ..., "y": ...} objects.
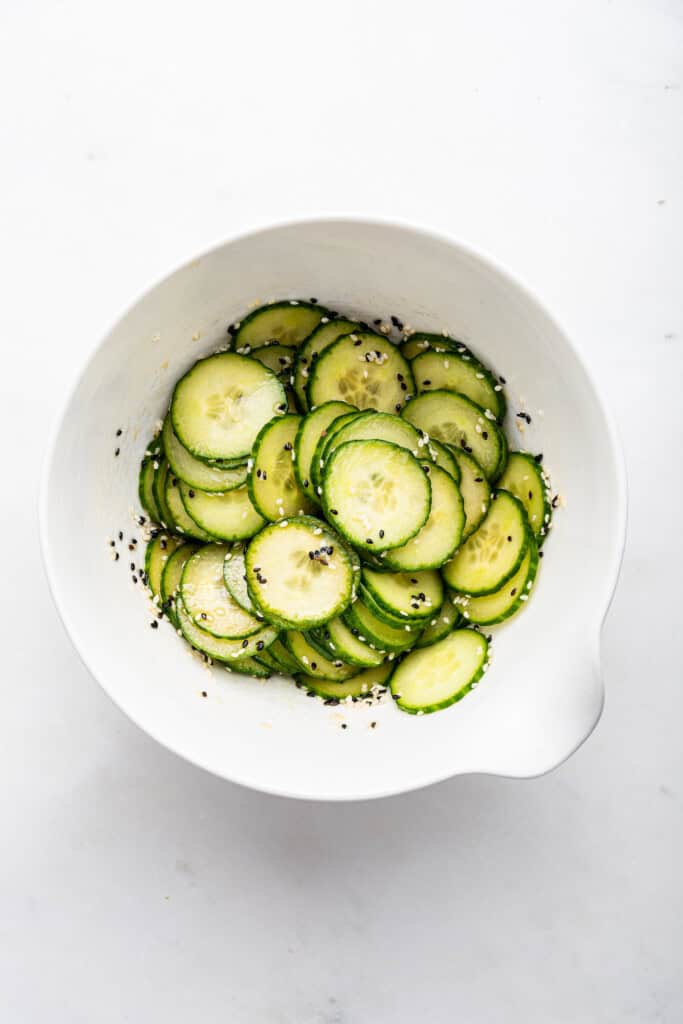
[{"x": 331, "y": 503}]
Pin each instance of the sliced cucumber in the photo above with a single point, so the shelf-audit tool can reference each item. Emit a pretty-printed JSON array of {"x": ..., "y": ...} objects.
[
  {"x": 414, "y": 595},
  {"x": 208, "y": 601},
  {"x": 475, "y": 490},
  {"x": 423, "y": 341},
  {"x": 372, "y": 629},
  {"x": 229, "y": 516},
  {"x": 452, "y": 371},
  {"x": 375, "y": 426},
  {"x": 318, "y": 340},
  {"x": 494, "y": 552},
  {"x": 273, "y": 486},
  {"x": 344, "y": 644},
  {"x": 456, "y": 420},
  {"x": 220, "y": 405},
  {"x": 266, "y": 659},
  {"x": 524, "y": 478},
  {"x": 369, "y": 683},
  {"x": 325, "y": 438},
  {"x": 376, "y": 493},
  {"x": 146, "y": 490},
  {"x": 312, "y": 429},
  {"x": 288, "y": 664},
  {"x": 283, "y": 323},
  {"x": 250, "y": 667},
  {"x": 195, "y": 472},
  {"x": 161, "y": 471},
  {"x": 445, "y": 622},
  {"x": 300, "y": 574},
  {"x": 433, "y": 678},
  {"x": 504, "y": 603},
  {"x": 220, "y": 649},
  {"x": 158, "y": 552},
  {"x": 235, "y": 578},
  {"x": 444, "y": 458},
  {"x": 313, "y": 662},
  {"x": 180, "y": 521},
  {"x": 414, "y": 622},
  {"x": 278, "y": 359},
  {"x": 441, "y": 534},
  {"x": 362, "y": 368},
  {"x": 170, "y": 578}
]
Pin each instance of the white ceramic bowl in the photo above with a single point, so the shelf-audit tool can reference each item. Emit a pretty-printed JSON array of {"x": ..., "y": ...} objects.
[{"x": 543, "y": 694}]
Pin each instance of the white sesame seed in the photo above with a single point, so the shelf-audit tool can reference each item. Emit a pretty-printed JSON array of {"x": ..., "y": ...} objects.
[{"x": 479, "y": 376}]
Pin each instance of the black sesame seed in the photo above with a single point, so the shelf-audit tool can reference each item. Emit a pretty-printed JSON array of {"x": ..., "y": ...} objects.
[
  {"x": 203, "y": 615},
  {"x": 154, "y": 624},
  {"x": 334, "y": 512},
  {"x": 117, "y": 452},
  {"x": 313, "y": 301},
  {"x": 132, "y": 566},
  {"x": 369, "y": 540},
  {"x": 485, "y": 435},
  {"x": 398, "y": 407},
  {"x": 281, "y": 407},
  {"x": 305, "y": 483},
  {"x": 509, "y": 538},
  {"x": 415, "y": 605},
  {"x": 531, "y": 494},
  {"x": 112, "y": 543},
  {"x": 119, "y": 432},
  {"x": 422, "y": 596},
  {"x": 332, "y": 701},
  {"x": 555, "y": 501},
  {"x": 120, "y": 534},
  {"x": 404, "y": 386},
  {"x": 287, "y": 447},
  {"x": 413, "y": 580},
  {"x": 264, "y": 475},
  {"x": 310, "y": 693},
  {"x": 245, "y": 643},
  {"x": 133, "y": 540},
  {"x": 116, "y": 557},
  {"x": 131, "y": 547},
  {"x": 377, "y": 322},
  {"x": 426, "y": 383},
  {"x": 314, "y": 665},
  {"x": 260, "y": 645},
  {"x": 357, "y": 343},
  {"x": 378, "y": 353},
  {"x": 395, "y": 696},
  {"x": 540, "y": 554},
  {"x": 381, "y": 534},
  {"x": 502, "y": 380},
  {"x": 373, "y": 725},
  {"x": 204, "y": 693},
  {"x": 134, "y": 579},
  {"x": 513, "y": 591},
  {"x": 344, "y": 725},
  {"x": 395, "y": 321},
  {"x": 191, "y": 493},
  {"x": 232, "y": 329},
  {"x": 258, "y": 473},
  {"x": 399, "y": 376},
  {"x": 467, "y": 448},
  {"x": 478, "y": 479},
  {"x": 539, "y": 457}
]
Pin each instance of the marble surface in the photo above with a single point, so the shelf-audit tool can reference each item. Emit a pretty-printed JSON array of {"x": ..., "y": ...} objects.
[{"x": 134, "y": 887}]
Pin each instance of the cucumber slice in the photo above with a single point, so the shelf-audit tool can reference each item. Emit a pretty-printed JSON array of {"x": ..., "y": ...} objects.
[
  {"x": 229, "y": 516},
  {"x": 170, "y": 578},
  {"x": 220, "y": 405},
  {"x": 318, "y": 340},
  {"x": 438, "y": 676},
  {"x": 362, "y": 368},
  {"x": 441, "y": 534},
  {"x": 524, "y": 478},
  {"x": 414, "y": 622},
  {"x": 273, "y": 487},
  {"x": 475, "y": 490},
  {"x": 376, "y": 493},
  {"x": 456, "y": 420},
  {"x": 207, "y": 600},
  {"x": 369, "y": 683},
  {"x": 284, "y": 323},
  {"x": 146, "y": 490},
  {"x": 453, "y": 371},
  {"x": 342, "y": 643},
  {"x": 415, "y": 595},
  {"x": 195, "y": 472},
  {"x": 266, "y": 659},
  {"x": 443, "y": 458},
  {"x": 445, "y": 622},
  {"x": 300, "y": 574},
  {"x": 221, "y": 649},
  {"x": 180, "y": 521},
  {"x": 494, "y": 552},
  {"x": 161, "y": 472},
  {"x": 288, "y": 664},
  {"x": 314, "y": 662},
  {"x": 235, "y": 578},
  {"x": 250, "y": 667},
  {"x": 278, "y": 359},
  {"x": 423, "y": 341},
  {"x": 504, "y": 603},
  {"x": 312, "y": 429},
  {"x": 371, "y": 628},
  {"x": 375, "y": 426},
  {"x": 158, "y": 552},
  {"x": 318, "y": 460}
]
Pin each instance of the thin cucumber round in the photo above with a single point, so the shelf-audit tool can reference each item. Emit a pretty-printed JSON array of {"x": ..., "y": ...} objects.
[
  {"x": 441, "y": 534},
  {"x": 220, "y": 405},
  {"x": 195, "y": 472},
  {"x": 208, "y": 601},
  {"x": 438, "y": 676},
  {"x": 318, "y": 460},
  {"x": 413, "y": 623},
  {"x": 369, "y": 683},
  {"x": 493, "y": 553},
  {"x": 284, "y": 323},
  {"x": 326, "y": 332},
  {"x": 235, "y": 578},
  {"x": 524, "y": 477},
  {"x": 376, "y": 493},
  {"x": 440, "y": 626},
  {"x": 372, "y": 629},
  {"x": 504, "y": 603},
  {"x": 423, "y": 341},
  {"x": 157, "y": 554},
  {"x": 273, "y": 487},
  {"x": 300, "y": 574},
  {"x": 444, "y": 458},
  {"x": 181, "y": 522},
  {"x": 375, "y": 426},
  {"x": 344, "y": 644},
  {"x": 475, "y": 490},
  {"x": 161, "y": 471},
  {"x": 288, "y": 664},
  {"x": 364, "y": 369},
  {"x": 312, "y": 429},
  {"x": 267, "y": 659},
  {"x": 408, "y": 595},
  {"x": 171, "y": 575},
  {"x": 277, "y": 358},
  {"x": 455, "y": 420},
  {"x": 146, "y": 490},
  {"x": 453, "y": 371},
  {"x": 229, "y": 516},
  {"x": 221, "y": 649},
  {"x": 248, "y": 666},
  {"x": 312, "y": 661}
]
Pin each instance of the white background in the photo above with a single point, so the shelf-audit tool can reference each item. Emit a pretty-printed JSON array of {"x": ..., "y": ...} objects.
[{"x": 549, "y": 134}]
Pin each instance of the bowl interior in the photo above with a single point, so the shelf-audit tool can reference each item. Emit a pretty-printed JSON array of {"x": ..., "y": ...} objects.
[{"x": 543, "y": 693}]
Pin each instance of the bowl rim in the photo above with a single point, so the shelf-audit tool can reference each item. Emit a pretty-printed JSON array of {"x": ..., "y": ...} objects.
[{"x": 477, "y": 255}]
